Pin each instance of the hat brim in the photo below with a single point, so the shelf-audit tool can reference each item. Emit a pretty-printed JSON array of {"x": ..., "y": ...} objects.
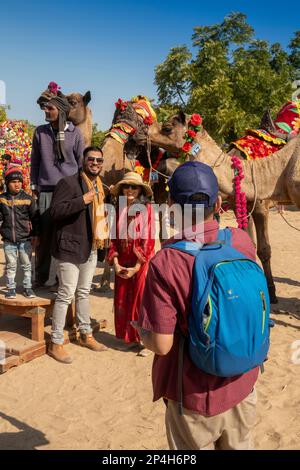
[{"x": 115, "y": 191}]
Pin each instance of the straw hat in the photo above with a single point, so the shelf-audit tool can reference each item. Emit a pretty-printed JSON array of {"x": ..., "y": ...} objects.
[{"x": 132, "y": 178}]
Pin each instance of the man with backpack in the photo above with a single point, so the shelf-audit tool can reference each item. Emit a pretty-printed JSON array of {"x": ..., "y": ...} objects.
[{"x": 206, "y": 371}]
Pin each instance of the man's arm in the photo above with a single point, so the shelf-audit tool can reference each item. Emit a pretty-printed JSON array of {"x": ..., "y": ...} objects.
[
  {"x": 64, "y": 204},
  {"x": 35, "y": 160},
  {"x": 158, "y": 313},
  {"x": 79, "y": 148},
  {"x": 159, "y": 343},
  {"x": 34, "y": 218}
]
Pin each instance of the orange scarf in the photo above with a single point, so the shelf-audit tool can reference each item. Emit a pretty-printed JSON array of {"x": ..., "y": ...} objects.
[{"x": 99, "y": 222}]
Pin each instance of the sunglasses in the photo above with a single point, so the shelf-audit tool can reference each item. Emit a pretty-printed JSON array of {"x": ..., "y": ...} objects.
[
  {"x": 128, "y": 186},
  {"x": 95, "y": 159}
]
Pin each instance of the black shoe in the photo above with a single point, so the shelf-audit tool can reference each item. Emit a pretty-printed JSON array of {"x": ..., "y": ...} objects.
[
  {"x": 29, "y": 293},
  {"x": 11, "y": 294}
]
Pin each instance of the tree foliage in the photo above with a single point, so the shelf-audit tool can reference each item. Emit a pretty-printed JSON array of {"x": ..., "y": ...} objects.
[
  {"x": 3, "y": 116},
  {"x": 98, "y": 136},
  {"x": 231, "y": 78}
]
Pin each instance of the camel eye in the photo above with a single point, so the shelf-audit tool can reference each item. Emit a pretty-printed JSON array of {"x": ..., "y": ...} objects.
[
  {"x": 73, "y": 103},
  {"x": 167, "y": 130}
]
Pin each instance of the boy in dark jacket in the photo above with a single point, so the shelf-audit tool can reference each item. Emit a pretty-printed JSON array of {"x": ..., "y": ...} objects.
[{"x": 18, "y": 215}]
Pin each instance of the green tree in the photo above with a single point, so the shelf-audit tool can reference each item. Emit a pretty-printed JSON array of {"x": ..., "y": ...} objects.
[
  {"x": 294, "y": 57},
  {"x": 98, "y": 136},
  {"x": 3, "y": 115},
  {"x": 172, "y": 76},
  {"x": 231, "y": 78}
]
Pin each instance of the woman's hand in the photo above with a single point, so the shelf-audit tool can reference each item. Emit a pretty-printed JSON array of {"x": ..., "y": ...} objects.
[
  {"x": 119, "y": 270},
  {"x": 132, "y": 271}
]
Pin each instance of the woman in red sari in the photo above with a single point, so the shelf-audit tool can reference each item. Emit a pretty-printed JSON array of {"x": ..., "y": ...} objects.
[{"x": 131, "y": 251}]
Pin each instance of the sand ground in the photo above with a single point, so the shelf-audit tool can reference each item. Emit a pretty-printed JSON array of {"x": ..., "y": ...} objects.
[{"x": 104, "y": 400}]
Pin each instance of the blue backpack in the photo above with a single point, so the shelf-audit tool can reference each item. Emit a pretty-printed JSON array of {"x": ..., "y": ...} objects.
[{"x": 229, "y": 322}]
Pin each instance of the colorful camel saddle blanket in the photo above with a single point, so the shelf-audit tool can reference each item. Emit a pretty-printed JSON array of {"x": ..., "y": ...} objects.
[
  {"x": 15, "y": 149},
  {"x": 259, "y": 143}
]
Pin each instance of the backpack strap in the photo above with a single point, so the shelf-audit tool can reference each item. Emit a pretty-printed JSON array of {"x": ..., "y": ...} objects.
[
  {"x": 180, "y": 374},
  {"x": 225, "y": 236},
  {"x": 191, "y": 248}
]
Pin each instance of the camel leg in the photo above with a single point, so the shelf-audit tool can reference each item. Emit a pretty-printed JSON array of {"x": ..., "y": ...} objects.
[{"x": 261, "y": 217}]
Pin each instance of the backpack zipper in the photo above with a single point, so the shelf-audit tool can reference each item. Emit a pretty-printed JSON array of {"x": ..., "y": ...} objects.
[
  {"x": 210, "y": 314},
  {"x": 262, "y": 295}
]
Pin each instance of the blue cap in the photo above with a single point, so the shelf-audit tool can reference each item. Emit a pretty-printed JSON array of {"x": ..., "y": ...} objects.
[{"x": 194, "y": 183}]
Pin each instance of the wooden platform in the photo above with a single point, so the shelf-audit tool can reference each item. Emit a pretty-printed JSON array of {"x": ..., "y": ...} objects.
[{"x": 25, "y": 326}]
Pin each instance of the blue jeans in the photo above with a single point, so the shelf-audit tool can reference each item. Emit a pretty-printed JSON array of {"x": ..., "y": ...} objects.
[{"x": 11, "y": 251}]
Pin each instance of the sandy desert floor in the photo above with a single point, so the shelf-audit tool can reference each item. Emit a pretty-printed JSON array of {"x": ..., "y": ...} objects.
[{"x": 104, "y": 400}]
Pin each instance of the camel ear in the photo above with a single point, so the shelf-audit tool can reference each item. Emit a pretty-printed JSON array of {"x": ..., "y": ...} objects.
[
  {"x": 181, "y": 117},
  {"x": 87, "y": 98}
]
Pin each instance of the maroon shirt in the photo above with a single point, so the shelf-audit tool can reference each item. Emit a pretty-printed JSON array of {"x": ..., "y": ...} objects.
[{"x": 166, "y": 301}]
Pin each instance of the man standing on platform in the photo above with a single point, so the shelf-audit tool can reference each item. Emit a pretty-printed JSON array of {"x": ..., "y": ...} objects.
[{"x": 57, "y": 150}]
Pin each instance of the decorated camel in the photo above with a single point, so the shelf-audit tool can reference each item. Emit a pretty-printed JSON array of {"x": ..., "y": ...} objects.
[
  {"x": 124, "y": 150},
  {"x": 276, "y": 178},
  {"x": 129, "y": 128}
]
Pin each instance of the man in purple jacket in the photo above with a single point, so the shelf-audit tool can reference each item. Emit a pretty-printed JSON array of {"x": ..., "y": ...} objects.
[{"x": 57, "y": 150}]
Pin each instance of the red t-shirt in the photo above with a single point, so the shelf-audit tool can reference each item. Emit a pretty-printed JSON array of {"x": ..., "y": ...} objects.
[{"x": 166, "y": 301}]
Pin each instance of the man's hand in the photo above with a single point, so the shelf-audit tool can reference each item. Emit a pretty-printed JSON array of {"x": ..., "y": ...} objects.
[
  {"x": 89, "y": 196},
  {"x": 35, "y": 194}
]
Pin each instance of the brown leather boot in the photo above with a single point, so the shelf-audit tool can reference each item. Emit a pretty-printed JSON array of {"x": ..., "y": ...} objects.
[
  {"x": 57, "y": 352},
  {"x": 88, "y": 341}
]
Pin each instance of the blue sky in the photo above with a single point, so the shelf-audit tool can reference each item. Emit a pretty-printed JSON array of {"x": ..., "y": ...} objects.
[{"x": 110, "y": 48}]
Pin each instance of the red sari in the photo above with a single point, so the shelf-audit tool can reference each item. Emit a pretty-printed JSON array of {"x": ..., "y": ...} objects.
[{"x": 129, "y": 292}]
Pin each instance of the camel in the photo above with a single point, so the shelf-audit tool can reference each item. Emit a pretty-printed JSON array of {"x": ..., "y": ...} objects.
[
  {"x": 116, "y": 162},
  {"x": 276, "y": 178},
  {"x": 81, "y": 115}
]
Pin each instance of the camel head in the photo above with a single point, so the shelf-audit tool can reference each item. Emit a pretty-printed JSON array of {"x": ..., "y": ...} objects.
[
  {"x": 79, "y": 107},
  {"x": 170, "y": 134}
]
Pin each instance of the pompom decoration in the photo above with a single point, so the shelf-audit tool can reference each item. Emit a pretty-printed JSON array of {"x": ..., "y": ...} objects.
[
  {"x": 240, "y": 196},
  {"x": 53, "y": 88},
  {"x": 16, "y": 144},
  {"x": 121, "y": 105},
  {"x": 148, "y": 120}
]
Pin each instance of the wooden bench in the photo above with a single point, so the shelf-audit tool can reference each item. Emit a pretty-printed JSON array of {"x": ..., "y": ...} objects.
[{"x": 36, "y": 309}]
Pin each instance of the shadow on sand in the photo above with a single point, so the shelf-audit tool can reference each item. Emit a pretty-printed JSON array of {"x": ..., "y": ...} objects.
[{"x": 27, "y": 438}]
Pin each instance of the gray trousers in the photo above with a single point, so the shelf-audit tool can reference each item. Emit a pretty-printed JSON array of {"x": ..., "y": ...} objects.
[{"x": 74, "y": 279}]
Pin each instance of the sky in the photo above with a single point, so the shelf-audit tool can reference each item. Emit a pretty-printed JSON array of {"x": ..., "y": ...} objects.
[{"x": 110, "y": 48}]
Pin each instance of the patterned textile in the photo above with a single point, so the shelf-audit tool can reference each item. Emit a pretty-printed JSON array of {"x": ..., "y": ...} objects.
[
  {"x": 143, "y": 107},
  {"x": 288, "y": 118},
  {"x": 258, "y": 143},
  {"x": 121, "y": 132},
  {"x": 15, "y": 149}
]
